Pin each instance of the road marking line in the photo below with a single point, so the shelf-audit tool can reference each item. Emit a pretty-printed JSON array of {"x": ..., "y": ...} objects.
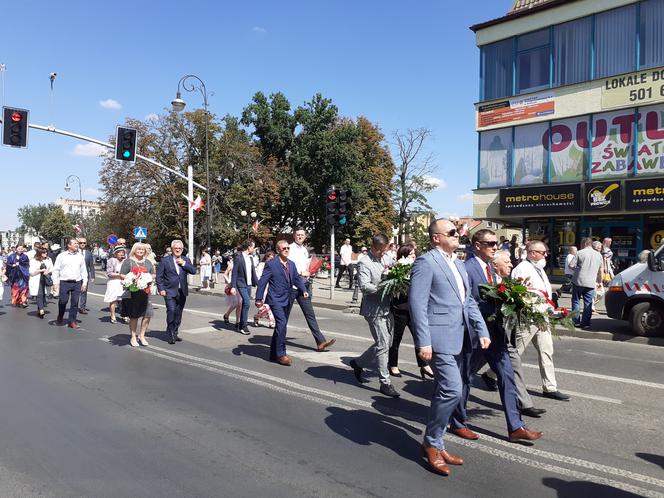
[
  {"x": 616, "y": 356},
  {"x": 346, "y": 402},
  {"x": 582, "y": 395},
  {"x": 203, "y": 330},
  {"x": 636, "y": 382}
]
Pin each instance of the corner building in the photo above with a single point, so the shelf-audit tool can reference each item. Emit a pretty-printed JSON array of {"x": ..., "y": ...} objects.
[{"x": 570, "y": 123}]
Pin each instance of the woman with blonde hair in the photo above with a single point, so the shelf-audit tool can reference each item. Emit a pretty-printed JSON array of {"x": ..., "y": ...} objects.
[
  {"x": 205, "y": 263},
  {"x": 136, "y": 304},
  {"x": 41, "y": 267}
]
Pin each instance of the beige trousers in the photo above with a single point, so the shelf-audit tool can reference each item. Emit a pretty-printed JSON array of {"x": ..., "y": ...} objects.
[{"x": 543, "y": 343}]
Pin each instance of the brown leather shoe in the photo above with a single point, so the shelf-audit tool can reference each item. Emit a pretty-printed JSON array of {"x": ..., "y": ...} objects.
[
  {"x": 326, "y": 344},
  {"x": 451, "y": 459},
  {"x": 435, "y": 460},
  {"x": 465, "y": 433},
  {"x": 524, "y": 434},
  {"x": 284, "y": 360}
]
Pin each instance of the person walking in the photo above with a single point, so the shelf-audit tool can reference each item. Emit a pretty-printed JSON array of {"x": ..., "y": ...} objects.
[
  {"x": 280, "y": 275},
  {"x": 173, "y": 287},
  {"x": 243, "y": 278},
  {"x": 531, "y": 270},
  {"x": 265, "y": 310},
  {"x": 375, "y": 308},
  {"x": 399, "y": 307},
  {"x": 136, "y": 304},
  {"x": 205, "y": 263},
  {"x": 233, "y": 301},
  {"x": 300, "y": 256},
  {"x": 569, "y": 271},
  {"x": 41, "y": 268},
  {"x": 18, "y": 273},
  {"x": 90, "y": 266},
  {"x": 114, "y": 288},
  {"x": 217, "y": 260},
  {"x": 345, "y": 263},
  {"x": 587, "y": 273},
  {"x": 447, "y": 324},
  {"x": 70, "y": 277}
]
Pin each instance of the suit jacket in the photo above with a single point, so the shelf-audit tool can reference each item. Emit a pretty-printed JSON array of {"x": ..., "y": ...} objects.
[
  {"x": 239, "y": 273},
  {"x": 168, "y": 278},
  {"x": 370, "y": 273},
  {"x": 279, "y": 293},
  {"x": 477, "y": 277},
  {"x": 438, "y": 316},
  {"x": 89, "y": 264}
]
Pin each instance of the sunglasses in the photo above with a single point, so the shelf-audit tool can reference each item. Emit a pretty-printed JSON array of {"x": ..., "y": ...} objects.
[
  {"x": 490, "y": 243},
  {"x": 543, "y": 253},
  {"x": 451, "y": 233},
  {"x": 285, "y": 248}
]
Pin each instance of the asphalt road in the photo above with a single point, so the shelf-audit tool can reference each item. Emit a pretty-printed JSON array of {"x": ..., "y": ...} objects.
[{"x": 84, "y": 414}]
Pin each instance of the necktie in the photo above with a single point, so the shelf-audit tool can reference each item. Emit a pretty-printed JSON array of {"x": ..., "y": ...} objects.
[{"x": 489, "y": 276}]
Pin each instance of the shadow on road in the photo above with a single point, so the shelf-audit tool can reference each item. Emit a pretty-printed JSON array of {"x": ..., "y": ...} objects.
[
  {"x": 567, "y": 489},
  {"x": 339, "y": 375},
  {"x": 120, "y": 339},
  {"x": 649, "y": 457}
]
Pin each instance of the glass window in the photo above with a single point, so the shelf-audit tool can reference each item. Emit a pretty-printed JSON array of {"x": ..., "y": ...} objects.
[
  {"x": 496, "y": 69},
  {"x": 615, "y": 41},
  {"x": 650, "y": 149},
  {"x": 530, "y": 157},
  {"x": 612, "y": 150},
  {"x": 532, "y": 61},
  {"x": 571, "y": 52},
  {"x": 569, "y": 149},
  {"x": 495, "y": 158},
  {"x": 652, "y": 34}
]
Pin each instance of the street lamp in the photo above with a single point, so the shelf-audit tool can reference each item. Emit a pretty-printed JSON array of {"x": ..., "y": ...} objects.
[
  {"x": 70, "y": 179},
  {"x": 178, "y": 105}
]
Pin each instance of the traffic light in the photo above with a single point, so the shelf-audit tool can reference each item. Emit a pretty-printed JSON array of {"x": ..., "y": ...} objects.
[
  {"x": 344, "y": 206},
  {"x": 125, "y": 144},
  {"x": 332, "y": 207},
  {"x": 15, "y": 127}
]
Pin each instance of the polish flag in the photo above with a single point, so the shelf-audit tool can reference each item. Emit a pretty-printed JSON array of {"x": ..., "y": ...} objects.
[
  {"x": 197, "y": 204},
  {"x": 77, "y": 228}
]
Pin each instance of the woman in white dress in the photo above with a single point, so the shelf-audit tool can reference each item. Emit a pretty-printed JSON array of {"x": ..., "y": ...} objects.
[
  {"x": 234, "y": 302},
  {"x": 206, "y": 268},
  {"x": 114, "y": 289},
  {"x": 40, "y": 266}
]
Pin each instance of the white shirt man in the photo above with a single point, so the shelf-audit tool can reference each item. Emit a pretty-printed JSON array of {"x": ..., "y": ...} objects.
[
  {"x": 70, "y": 277},
  {"x": 346, "y": 253},
  {"x": 300, "y": 256},
  {"x": 248, "y": 264}
]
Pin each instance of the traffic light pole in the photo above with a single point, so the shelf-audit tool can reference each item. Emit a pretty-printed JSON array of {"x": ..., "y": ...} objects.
[{"x": 331, "y": 263}]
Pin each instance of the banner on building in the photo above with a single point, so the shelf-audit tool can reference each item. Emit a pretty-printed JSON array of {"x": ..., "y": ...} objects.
[
  {"x": 644, "y": 194},
  {"x": 537, "y": 200},
  {"x": 650, "y": 135},
  {"x": 644, "y": 87},
  {"x": 603, "y": 196},
  {"x": 516, "y": 109}
]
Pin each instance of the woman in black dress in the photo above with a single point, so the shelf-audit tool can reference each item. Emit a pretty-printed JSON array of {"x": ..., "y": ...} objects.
[{"x": 136, "y": 304}]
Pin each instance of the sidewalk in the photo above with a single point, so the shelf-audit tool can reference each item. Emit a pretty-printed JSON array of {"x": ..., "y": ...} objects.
[{"x": 321, "y": 294}]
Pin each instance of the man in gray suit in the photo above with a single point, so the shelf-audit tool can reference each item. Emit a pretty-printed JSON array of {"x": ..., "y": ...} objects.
[
  {"x": 587, "y": 268},
  {"x": 376, "y": 311},
  {"x": 447, "y": 324}
]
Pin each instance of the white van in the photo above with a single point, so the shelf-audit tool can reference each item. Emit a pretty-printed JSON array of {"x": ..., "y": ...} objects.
[{"x": 637, "y": 295}]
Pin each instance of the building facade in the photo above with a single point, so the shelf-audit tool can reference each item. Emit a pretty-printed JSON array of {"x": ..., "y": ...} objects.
[
  {"x": 75, "y": 206},
  {"x": 570, "y": 123}
]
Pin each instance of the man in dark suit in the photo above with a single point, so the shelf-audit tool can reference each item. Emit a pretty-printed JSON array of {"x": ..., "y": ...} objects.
[
  {"x": 480, "y": 271},
  {"x": 281, "y": 275},
  {"x": 243, "y": 278},
  {"x": 172, "y": 285},
  {"x": 90, "y": 266}
]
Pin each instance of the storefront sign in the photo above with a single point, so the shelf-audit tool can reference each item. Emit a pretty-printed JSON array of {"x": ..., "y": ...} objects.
[
  {"x": 549, "y": 199},
  {"x": 644, "y": 194},
  {"x": 644, "y": 87},
  {"x": 516, "y": 109},
  {"x": 604, "y": 196}
]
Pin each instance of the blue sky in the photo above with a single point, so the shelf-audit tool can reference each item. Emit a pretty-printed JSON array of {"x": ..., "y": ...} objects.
[{"x": 402, "y": 65}]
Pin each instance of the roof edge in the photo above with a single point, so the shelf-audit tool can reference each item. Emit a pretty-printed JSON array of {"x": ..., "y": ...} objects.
[{"x": 520, "y": 13}]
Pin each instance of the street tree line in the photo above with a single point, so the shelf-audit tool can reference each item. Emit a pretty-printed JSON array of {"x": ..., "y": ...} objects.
[{"x": 274, "y": 160}]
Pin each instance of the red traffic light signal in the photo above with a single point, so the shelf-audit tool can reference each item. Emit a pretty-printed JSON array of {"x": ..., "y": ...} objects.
[{"x": 15, "y": 127}]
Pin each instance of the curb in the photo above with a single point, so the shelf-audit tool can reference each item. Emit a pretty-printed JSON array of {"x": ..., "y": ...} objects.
[{"x": 609, "y": 336}]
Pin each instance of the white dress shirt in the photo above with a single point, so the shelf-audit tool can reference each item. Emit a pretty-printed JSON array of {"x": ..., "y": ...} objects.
[
  {"x": 449, "y": 259},
  {"x": 299, "y": 255},
  {"x": 248, "y": 265},
  {"x": 70, "y": 266},
  {"x": 346, "y": 253},
  {"x": 538, "y": 278}
]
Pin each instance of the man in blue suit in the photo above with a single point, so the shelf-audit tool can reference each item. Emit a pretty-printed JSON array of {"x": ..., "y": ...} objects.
[
  {"x": 281, "y": 274},
  {"x": 447, "y": 324},
  {"x": 172, "y": 285},
  {"x": 480, "y": 272},
  {"x": 243, "y": 278}
]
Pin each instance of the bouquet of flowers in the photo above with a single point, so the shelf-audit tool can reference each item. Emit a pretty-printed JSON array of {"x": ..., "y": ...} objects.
[
  {"x": 138, "y": 279},
  {"x": 520, "y": 306},
  {"x": 396, "y": 279},
  {"x": 315, "y": 265},
  {"x": 325, "y": 265}
]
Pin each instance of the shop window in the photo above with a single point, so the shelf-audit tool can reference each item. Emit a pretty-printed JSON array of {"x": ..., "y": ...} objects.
[
  {"x": 495, "y": 158},
  {"x": 569, "y": 140},
  {"x": 650, "y": 148},
  {"x": 615, "y": 41},
  {"x": 533, "y": 61},
  {"x": 571, "y": 52},
  {"x": 651, "y": 43},
  {"x": 530, "y": 157},
  {"x": 612, "y": 145},
  {"x": 496, "y": 69}
]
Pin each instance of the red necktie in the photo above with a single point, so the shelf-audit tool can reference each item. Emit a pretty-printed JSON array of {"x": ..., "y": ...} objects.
[{"x": 489, "y": 277}]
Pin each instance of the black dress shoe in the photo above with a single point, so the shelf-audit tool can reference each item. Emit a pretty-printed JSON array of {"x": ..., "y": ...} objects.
[
  {"x": 557, "y": 395},
  {"x": 178, "y": 338},
  {"x": 171, "y": 341},
  {"x": 533, "y": 412},
  {"x": 388, "y": 390},
  {"x": 245, "y": 331},
  {"x": 357, "y": 370},
  {"x": 491, "y": 384}
]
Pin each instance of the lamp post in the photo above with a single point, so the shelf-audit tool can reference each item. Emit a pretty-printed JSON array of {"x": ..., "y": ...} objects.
[
  {"x": 248, "y": 217},
  {"x": 69, "y": 179},
  {"x": 189, "y": 84}
]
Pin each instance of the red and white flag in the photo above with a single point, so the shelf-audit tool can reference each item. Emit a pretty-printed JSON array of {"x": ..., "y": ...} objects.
[
  {"x": 197, "y": 204},
  {"x": 77, "y": 228}
]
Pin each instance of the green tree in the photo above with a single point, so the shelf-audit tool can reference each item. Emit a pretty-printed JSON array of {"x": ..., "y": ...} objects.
[
  {"x": 33, "y": 216},
  {"x": 56, "y": 226},
  {"x": 273, "y": 123}
]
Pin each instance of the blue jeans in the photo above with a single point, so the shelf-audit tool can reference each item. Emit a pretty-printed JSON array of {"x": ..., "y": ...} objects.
[
  {"x": 587, "y": 294},
  {"x": 245, "y": 293}
]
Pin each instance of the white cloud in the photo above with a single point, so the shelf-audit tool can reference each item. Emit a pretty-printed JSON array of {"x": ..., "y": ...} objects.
[
  {"x": 89, "y": 150},
  {"x": 468, "y": 196},
  {"x": 436, "y": 183},
  {"x": 110, "y": 104},
  {"x": 92, "y": 191},
  {"x": 258, "y": 29},
  {"x": 152, "y": 117}
]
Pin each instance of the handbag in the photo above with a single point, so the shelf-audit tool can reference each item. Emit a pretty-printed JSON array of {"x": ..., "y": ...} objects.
[
  {"x": 227, "y": 290},
  {"x": 48, "y": 281}
]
